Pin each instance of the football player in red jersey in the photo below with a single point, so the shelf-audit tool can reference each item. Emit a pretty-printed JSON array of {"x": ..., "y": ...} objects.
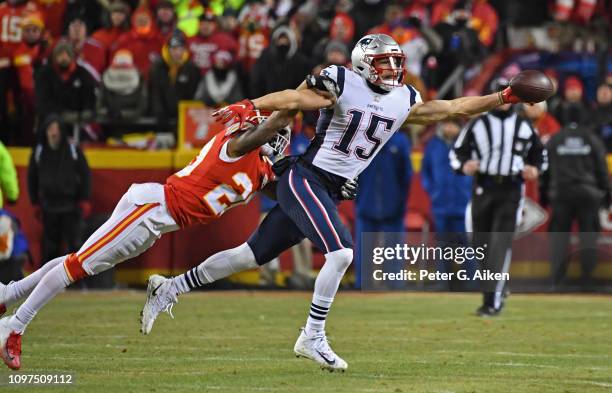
[{"x": 228, "y": 171}]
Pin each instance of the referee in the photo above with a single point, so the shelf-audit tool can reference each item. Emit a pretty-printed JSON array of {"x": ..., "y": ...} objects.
[{"x": 501, "y": 150}]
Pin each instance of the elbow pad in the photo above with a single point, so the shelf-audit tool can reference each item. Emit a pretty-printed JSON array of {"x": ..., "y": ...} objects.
[{"x": 323, "y": 83}]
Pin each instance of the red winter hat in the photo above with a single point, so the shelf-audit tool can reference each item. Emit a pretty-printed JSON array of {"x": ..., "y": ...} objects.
[{"x": 572, "y": 82}]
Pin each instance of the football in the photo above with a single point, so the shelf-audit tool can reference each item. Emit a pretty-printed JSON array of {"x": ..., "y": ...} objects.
[{"x": 532, "y": 86}]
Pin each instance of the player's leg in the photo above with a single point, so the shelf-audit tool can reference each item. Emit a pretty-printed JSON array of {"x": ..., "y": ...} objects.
[
  {"x": 275, "y": 234},
  {"x": 16, "y": 290},
  {"x": 311, "y": 208},
  {"x": 131, "y": 230}
]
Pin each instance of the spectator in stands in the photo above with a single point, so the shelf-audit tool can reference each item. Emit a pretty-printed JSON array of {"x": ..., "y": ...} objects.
[
  {"x": 9, "y": 185},
  {"x": 173, "y": 78},
  {"x": 208, "y": 41},
  {"x": 577, "y": 185},
  {"x": 545, "y": 124},
  {"x": 449, "y": 194},
  {"x": 281, "y": 65},
  {"x": 601, "y": 118},
  {"x": 485, "y": 21},
  {"x": 342, "y": 30},
  {"x": 123, "y": 95},
  {"x": 59, "y": 187},
  {"x": 54, "y": 12},
  {"x": 253, "y": 38},
  {"x": 448, "y": 191},
  {"x": 460, "y": 44},
  {"x": 188, "y": 13},
  {"x": 14, "y": 248},
  {"x": 165, "y": 16},
  {"x": 90, "y": 53},
  {"x": 144, "y": 40},
  {"x": 118, "y": 24},
  {"x": 572, "y": 108},
  {"x": 28, "y": 57},
  {"x": 382, "y": 197},
  {"x": 65, "y": 87},
  {"x": 90, "y": 12},
  {"x": 336, "y": 53},
  {"x": 220, "y": 85}
]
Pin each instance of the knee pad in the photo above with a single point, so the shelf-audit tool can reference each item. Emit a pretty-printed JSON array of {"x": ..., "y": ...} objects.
[{"x": 341, "y": 259}]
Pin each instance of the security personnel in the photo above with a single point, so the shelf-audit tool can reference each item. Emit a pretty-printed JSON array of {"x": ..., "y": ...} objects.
[
  {"x": 577, "y": 186},
  {"x": 501, "y": 150}
]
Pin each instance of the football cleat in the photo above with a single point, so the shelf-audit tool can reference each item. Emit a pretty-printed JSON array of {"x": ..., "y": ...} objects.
[
  {"x": 316, "y": 347},
  {"x": 161, "y": 297},
  {"x": 488, "y": 311},
  {"x": 10, "y": 345}
]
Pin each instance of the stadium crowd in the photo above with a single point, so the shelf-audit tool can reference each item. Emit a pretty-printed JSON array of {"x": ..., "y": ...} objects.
[{"x": 98, "y": 68}]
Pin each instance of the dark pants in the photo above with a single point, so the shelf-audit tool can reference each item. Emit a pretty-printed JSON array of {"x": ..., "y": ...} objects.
[
  {"x": 60, "y": 233},
  {"x": 305, "y": 209},
  {"x": 494, "y": 215},
  {"x": 585, "y": 210}
]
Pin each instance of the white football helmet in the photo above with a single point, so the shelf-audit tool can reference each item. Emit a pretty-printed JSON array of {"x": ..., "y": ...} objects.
[{"x": 373, "y": 47}]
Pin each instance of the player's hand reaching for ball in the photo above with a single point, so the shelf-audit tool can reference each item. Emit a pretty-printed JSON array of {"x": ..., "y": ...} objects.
[
  {"x": 470, "y": 167},
  {"x": 238, "y": 111},
  {"x": 506, "y": 96}
]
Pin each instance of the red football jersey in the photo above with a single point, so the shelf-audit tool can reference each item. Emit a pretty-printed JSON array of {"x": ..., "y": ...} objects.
[
  {"x": 10, "y": 24},
  {"x": 213, "y": 183}
]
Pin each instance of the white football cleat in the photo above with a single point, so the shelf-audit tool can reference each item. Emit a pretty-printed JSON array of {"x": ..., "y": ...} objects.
[
  {"x": 10, "y": 345},
  {"x": 316, "y": 347},
  {"x": 161, "y": 297}
]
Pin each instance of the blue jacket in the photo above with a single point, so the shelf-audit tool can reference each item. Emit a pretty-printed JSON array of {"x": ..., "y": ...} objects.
[
  {"x": 384, "y": 184},
  {"x": 448, "y": 191}
]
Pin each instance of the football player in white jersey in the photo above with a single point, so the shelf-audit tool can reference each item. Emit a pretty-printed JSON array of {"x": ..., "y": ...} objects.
[{"x": 360, "y": 108}]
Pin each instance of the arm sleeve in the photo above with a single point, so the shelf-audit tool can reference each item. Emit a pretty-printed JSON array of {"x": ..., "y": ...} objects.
[
  {"x": 331, "y": 79},
  {"x": 8, "y": 175},
  {"x": 463, "y": 147}
]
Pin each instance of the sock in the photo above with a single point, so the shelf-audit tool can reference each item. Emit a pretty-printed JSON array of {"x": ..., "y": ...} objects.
[
  {"x": 18, "y": 289},
  {"x": 326, "y": 286},
  {"x": 218, "y": 266},
  {"x": 50, "y": 285}
]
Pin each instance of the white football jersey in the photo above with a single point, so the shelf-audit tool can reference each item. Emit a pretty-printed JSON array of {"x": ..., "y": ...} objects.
[{"x": 352, "y": 132}]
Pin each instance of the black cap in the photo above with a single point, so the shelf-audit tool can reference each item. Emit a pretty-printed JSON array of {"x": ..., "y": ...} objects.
[{"x": 177, "y": 39}]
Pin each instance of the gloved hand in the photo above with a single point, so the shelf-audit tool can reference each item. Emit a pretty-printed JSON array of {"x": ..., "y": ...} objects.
[
  {"x": 239, "y": 110},
  {"x": 349, "y": 190},
  {"x": 85, "y": 207},
  {"x": 507, "y": 97}
]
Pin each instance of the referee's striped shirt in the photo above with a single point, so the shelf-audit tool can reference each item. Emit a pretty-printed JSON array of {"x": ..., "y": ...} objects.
[{"x": 502, "y": 145}]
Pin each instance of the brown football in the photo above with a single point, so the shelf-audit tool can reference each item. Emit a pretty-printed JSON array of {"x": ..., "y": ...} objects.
[{"x": 532, "y": 86}]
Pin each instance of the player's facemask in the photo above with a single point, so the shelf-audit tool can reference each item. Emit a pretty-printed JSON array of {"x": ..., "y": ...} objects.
[
  {"x": 386, "y": 70},
  {"x": 279, "y": 143}
]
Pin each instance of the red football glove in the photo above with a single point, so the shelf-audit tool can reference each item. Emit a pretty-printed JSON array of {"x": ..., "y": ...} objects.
[
  {"x": 239, "y": 110},
  {"x": 85, "y": 207},
  {"x": 507, "y": 97}
]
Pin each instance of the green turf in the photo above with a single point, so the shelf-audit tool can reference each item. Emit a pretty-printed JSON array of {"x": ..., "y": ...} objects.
[{"x": 242, "y": 342}]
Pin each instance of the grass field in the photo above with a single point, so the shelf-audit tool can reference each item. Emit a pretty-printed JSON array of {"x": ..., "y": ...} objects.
[{"x": 242, "y": 342}]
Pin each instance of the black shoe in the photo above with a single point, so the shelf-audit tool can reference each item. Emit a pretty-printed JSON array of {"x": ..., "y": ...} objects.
[{"x": 487, "y": 311}]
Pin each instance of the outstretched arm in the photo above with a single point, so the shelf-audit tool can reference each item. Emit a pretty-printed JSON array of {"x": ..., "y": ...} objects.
[
  {"x": 438, "y": 110},
  {"x": 301, "y": 98},
  {"x": 251, "y": 140}
]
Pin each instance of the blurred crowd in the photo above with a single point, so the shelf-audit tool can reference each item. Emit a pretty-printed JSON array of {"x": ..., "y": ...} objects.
[{"x": 110, "y": 65}]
